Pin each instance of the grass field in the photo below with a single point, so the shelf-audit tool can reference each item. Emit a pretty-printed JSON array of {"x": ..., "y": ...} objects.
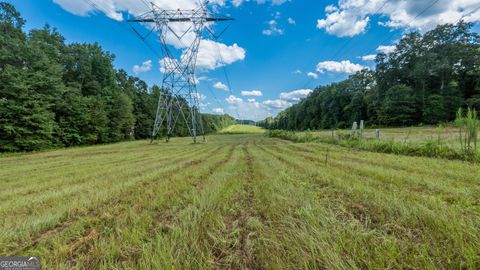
[
  {"x": 242, "y": 129},
  {"x": 239, "y": 202}
]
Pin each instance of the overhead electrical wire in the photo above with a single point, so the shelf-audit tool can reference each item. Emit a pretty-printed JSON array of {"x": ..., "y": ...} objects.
[
  {"x": 223, "y": 64},
  {"x": 345, "y": 44},
  {"x": 128, "y": 28},
  {"x": 337, "y": 53}
]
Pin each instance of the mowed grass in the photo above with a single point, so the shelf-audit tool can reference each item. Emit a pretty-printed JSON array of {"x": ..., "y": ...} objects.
[
  {"x": 242, "y": 129},
  {"x": 239, "y": 202}
]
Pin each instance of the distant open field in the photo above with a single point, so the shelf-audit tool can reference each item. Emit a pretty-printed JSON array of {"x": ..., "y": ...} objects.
[
  {"x": 241, "y": 202},
  {"x": 242, "y": 129}
]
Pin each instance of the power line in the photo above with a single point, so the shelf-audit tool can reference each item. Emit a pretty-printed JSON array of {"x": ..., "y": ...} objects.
[
  {"x": 223, "y": 64},
  {"x": 350, "y": 40},
  {"x": 433, "y": 3},
  {"x": 130, "y": 29},
  {"x": 346, "y": 43}
]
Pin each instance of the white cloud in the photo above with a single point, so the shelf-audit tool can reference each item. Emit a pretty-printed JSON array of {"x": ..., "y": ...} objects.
[
  {"x": 113, "y": 8},
  {"x": 200, "y": 97},
  {"x": 295, "y": 96},
  {"x": 213, "y": 55},
  {"x": 340, "y": 24},
  {"x": 218, "y": 110},
  {"x": 273, "y": 29},
  {"x": 254, "y": 93},
  {"x": 345, "y": 67},
  {"x": 312, "y": 75},
  {"x": 277, "y": 104},
  {"x": 351, "y": 17},
  {"x": 291, "y": 21},
  {"x": 383, "y": 49},
  {"x": 386, "y": 49},
  {"x": 220, "y": 86},
  {"x": 146, "y": 66},
  {"x": 167, "y": 64},
  {"x": 297, "y": 72},
  {"x": 82, "y": 8},
  {"x": 233, "y": 99},
  {"x": 255, "y": 110},
  {"x": 330, "y": 8},
  {"x": 369, "y": 57}
]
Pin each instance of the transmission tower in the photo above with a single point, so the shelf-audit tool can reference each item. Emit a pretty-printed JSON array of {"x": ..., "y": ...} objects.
[{"x": 185, "y": 28}]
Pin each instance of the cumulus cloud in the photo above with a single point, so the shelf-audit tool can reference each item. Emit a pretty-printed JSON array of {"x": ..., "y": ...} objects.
[
  {"x": 342, "y": 24},
  {"x": 351, "y": 17},
  {"x": 168, "y": 64},
  {"x": 213, "y": 54},
  {"x": 273, "y": 29},
  {"x": 233, "y": 99},
  {"x": 295, "y": 96},
  {"x": 113, "y": 8},
  {"x": 312, "y": 75},
  {"x": 258, "y": 110},
  {"x": 220, "y": 86},
  {"x": 146, "y": 66},
  {"x": 277, "y": 104},
  {"x": 200, "y": 97},
  {"x": 254, "y": 93},
  {"x": 369, "y": 57},
  {"x": 218, "y": 111},
  {"x": 286, "y": 99},
  {"x": 383, "y": 49},
  {"x": 386, "y": 49},
  {"x": 344, "y": 67},
  {"x": 291, "y": 21}
]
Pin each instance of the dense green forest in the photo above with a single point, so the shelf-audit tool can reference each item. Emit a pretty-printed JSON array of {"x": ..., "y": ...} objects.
[
  {"x": 54, "y": 94},
  {"x": 424, "y": 81}
]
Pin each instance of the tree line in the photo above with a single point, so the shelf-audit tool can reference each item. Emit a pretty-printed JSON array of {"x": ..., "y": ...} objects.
[
  {"x": 54, "y": 94},
  {"x": 425, "y": 80}
]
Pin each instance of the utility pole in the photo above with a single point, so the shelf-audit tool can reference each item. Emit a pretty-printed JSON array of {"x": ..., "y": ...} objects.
[{"x": 179, "y": 72}]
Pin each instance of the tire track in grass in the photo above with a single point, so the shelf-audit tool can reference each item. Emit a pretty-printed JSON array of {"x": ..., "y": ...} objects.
[
  {"x": 247, "y": 257},
  {"x": 237, "y": 231},
  {"x": 193, "y": 221},
  {"x": 297, "y": 227},
  {"x": 96, "y": 210},
  {"x": 199, "y": 184}
]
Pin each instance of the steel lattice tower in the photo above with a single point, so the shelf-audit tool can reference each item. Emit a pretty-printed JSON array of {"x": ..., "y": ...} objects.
[{"x": 179, "y": 73}]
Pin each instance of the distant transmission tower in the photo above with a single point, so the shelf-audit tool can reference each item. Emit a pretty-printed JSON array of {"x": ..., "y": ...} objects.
[{"x": 185, "y": 28}]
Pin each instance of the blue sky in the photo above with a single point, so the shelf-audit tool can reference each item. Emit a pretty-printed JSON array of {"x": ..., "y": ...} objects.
[{"x": 283, "y": 48}]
